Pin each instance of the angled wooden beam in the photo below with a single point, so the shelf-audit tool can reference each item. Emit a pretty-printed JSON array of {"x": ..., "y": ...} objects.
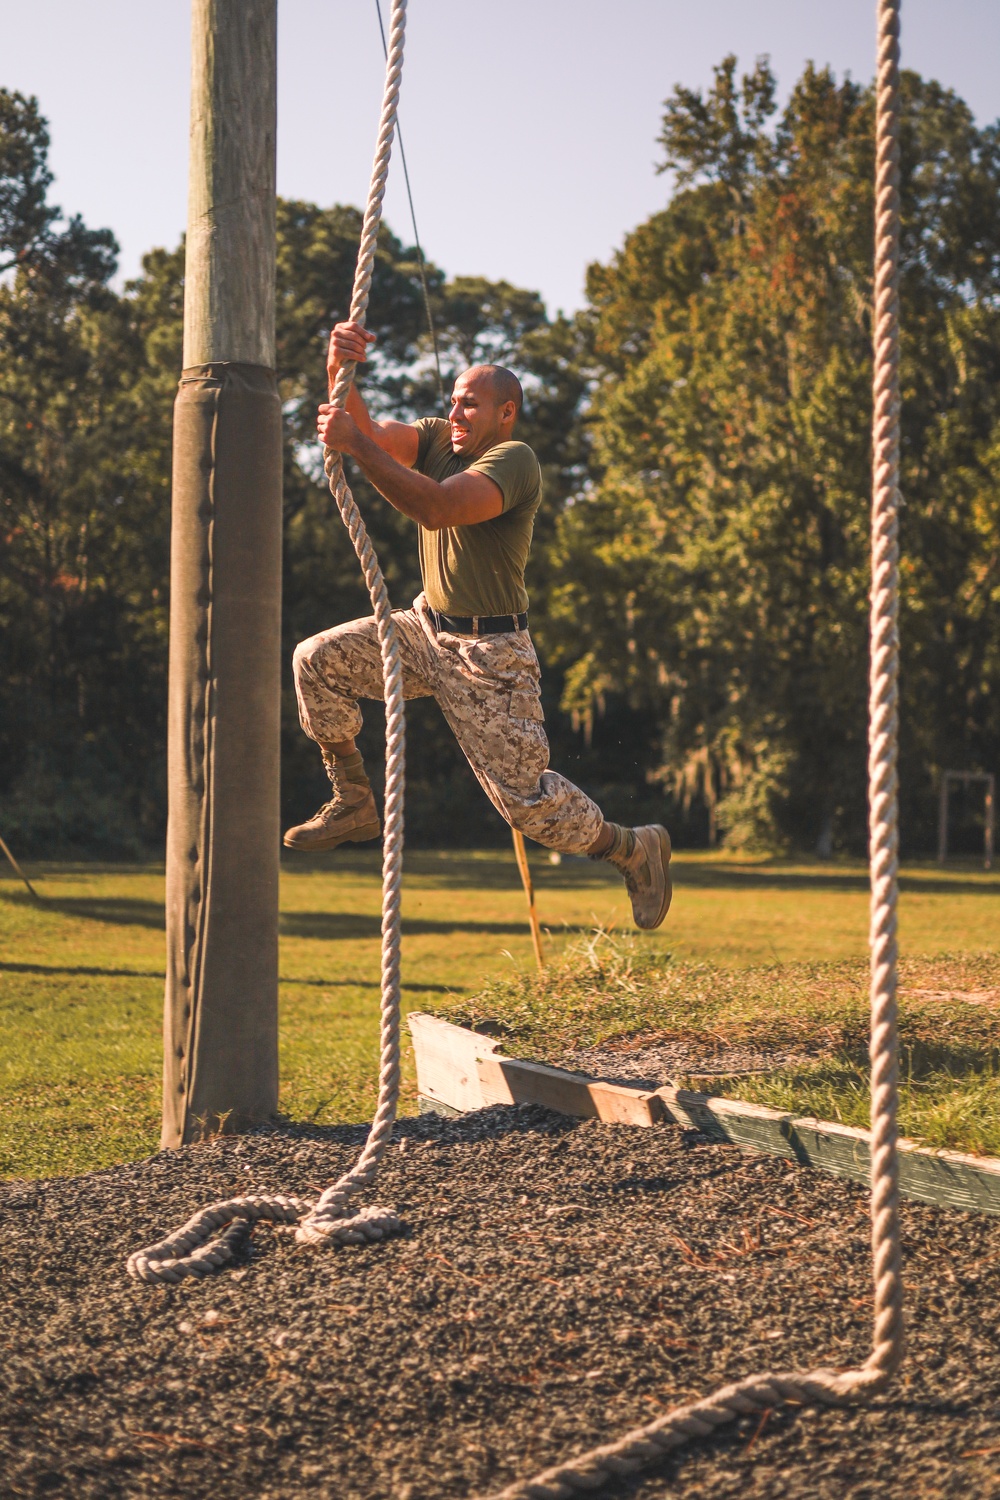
[
  {"x": 521, "y": 855},
  {"x": 18, "y": 871}
]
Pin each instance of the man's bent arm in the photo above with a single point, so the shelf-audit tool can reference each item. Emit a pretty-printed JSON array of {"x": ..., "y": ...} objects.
[
  {"x": 349, "y": 341},
  {"x": 463, "y": 500},
  {"x": 399, "y": 439}
]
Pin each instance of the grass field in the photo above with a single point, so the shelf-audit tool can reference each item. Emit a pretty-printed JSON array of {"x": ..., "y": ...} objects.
[{"x": 81, "y": 978}]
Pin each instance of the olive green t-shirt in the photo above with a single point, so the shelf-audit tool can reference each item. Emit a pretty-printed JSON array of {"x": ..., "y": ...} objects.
[{"x": 479, "y": 570}]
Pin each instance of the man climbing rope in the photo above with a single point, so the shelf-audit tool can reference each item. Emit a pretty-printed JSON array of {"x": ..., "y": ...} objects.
[{"x": 473, "y": 492}]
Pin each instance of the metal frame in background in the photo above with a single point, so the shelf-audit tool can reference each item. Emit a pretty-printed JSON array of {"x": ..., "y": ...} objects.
[{"x": 968, "y": 778}]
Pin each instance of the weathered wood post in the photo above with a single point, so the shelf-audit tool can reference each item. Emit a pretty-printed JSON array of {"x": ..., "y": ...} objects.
[{"x": 221, "y": 1010}]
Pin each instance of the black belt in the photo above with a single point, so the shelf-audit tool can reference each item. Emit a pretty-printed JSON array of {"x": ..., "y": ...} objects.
[{"x": 479, "y": 624}]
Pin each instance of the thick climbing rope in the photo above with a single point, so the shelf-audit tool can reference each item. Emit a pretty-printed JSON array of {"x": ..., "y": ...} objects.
[
  {"x": 216, "y": 1233},
  {"x": 644, "y": 1445}
]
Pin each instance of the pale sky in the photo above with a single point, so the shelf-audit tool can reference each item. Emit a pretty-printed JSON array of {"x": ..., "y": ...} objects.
[{"x": 530, "y": 125}]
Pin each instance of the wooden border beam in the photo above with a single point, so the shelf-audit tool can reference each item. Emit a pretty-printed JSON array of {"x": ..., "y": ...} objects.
[{"x": 460, "y": 1070}]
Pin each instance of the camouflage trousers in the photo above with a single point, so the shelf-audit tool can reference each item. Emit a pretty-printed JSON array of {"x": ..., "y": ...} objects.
[{"x": 488, "y": 691}]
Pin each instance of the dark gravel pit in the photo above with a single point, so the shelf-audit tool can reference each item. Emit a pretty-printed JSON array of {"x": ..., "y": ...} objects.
[{"x": 559, "y": 1283}]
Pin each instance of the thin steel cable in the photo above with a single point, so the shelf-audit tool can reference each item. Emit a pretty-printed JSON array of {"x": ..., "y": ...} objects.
[
  {"x": 416, "y": 239},
  {"x": 213, "y": 1235},
  {"x": 644, "y": 1445}
]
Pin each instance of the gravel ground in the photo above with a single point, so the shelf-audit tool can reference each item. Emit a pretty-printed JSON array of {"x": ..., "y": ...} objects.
[{"x": 560, "y": 1281}]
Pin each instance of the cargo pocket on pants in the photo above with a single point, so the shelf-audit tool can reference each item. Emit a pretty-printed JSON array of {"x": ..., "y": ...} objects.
[{"x": 526, "y": 747}]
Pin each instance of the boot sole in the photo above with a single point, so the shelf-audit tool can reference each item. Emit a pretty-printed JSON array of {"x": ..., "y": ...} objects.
[
  {"x": 668, "y": 885},
  {"x": 356, "y": 836}
]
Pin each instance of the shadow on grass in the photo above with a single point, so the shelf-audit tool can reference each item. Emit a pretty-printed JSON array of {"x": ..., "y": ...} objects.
[
  {"x": 459, "y": 870},
  {"x": 89, "y": 971},
  {"x": 495, "y": 870},
  {"x": 448, "y": 871},
  {"x": 370, "y": 984},
  {"x": 327, "y": 926},
  {"x": 338, "y": 927},
  {"x": 118, "y": 911},
  {"x": 928, "y": 1057},
  {"x": 82, "y": 971},
  {"x": 773, "y": 878}
]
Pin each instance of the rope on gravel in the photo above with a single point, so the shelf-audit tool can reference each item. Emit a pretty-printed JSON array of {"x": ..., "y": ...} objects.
[
  {"x": 644, "y": 1445},
  {"x": 215, "y": 1234}
]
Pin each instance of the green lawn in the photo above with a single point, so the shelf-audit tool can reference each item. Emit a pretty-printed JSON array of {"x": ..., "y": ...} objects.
[{"x": 81, "y": 977}]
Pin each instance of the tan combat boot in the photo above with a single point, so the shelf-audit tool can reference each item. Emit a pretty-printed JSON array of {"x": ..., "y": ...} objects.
[
  {"x": 644, "y": 861},
  {"x": 350, "y": 816}
]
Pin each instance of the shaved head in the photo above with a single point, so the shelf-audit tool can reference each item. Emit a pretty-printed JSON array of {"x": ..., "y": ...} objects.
[
  {"x": 485, "y": 402},
  {"x": 503, "y": 383}
]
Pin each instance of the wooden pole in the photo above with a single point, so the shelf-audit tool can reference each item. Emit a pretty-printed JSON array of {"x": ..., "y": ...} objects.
[
  {"x": 230, "y": 250},
  {"x": 521, "y": 855},
  {"x": 220, "y": 1012}
]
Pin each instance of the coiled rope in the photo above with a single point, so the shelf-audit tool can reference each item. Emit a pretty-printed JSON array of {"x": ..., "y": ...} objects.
[
  {"x": 213, "y": 1236},
  {"x": 216, "y": 1233},
  {"x": 644, "y": 1445}
]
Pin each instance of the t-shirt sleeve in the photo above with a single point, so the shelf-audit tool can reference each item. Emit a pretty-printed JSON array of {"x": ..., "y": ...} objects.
[
  {"x": 513, "y": 467},
  {"x": 428, "y": 429}
]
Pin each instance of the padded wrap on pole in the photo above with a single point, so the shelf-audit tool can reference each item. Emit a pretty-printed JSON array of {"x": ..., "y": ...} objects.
[{"x": 220, "y": 1018}]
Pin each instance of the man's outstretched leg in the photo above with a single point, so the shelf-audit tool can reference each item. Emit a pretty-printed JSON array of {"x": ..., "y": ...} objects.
[
  {"x": 489, "y": 692},
  {"x": 332, "y": 670}
]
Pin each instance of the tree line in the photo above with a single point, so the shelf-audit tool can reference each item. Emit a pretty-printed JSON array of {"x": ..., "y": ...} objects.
[{"x": 699, "y": 577}]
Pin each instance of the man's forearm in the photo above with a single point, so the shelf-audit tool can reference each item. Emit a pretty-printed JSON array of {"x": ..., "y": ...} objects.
[
  {"x": 355, "y": 407},
  {"x": 412, "y": 494}
]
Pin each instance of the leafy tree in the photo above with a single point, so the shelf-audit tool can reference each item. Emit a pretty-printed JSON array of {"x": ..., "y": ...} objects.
[
  {"x": 86, "y": 393},
  {"x": 700, "y": 574},
  {"x": 717, "y": 567},
  {"x": 77, "y": 570}
]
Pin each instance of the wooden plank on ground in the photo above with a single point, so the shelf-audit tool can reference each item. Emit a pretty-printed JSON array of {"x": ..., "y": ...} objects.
[
  {"x": 729, "y": 1120},
  {"x": 843, "y": 1150},
  {"x": 459, "y": 1070},
  {"x": 508, "y": 1080},
  {"x": 446, "y": 1061},
  {"x": 950, "y": 1179}
]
